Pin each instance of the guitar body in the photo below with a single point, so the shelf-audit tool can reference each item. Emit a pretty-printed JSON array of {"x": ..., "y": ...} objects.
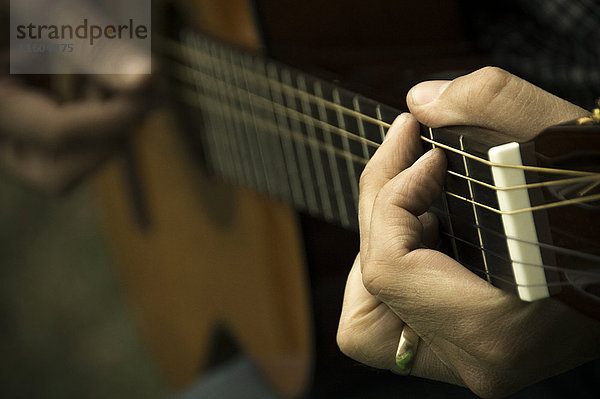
[{"x": 206, "y": 256}]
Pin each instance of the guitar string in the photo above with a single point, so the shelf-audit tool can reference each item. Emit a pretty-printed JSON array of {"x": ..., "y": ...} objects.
[
  {"x": 192, "y": 98},
  {"x": 514, "y": 284},
  {"x": 303, "y": 117},
  {"x": 351, "y": 112},
  {"x": 504, "y": 279},
  {"x": 176, "y": 48},
  {"x": 348, "y": 155},
  {"x": 510, "y": 261},
  {"x": 550, "y": 247},
  {"x": 584, "y": 176}
]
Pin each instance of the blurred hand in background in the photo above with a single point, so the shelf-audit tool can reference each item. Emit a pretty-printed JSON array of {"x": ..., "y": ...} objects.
[{"x": 55, "y": 129}]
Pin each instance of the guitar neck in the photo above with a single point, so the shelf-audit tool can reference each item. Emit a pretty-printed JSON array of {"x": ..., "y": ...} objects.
[
  {"x": 306, "y": 141},
  {"x": 282, "y": 132}
]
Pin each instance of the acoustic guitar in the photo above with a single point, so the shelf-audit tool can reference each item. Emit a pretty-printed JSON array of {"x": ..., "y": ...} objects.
[{"x": 235, "y": 207}]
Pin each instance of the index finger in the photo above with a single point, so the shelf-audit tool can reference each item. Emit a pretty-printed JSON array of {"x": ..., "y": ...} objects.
[{"x": 399, "y": 150}]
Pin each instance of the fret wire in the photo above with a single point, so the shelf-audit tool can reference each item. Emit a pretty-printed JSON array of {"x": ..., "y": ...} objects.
[
  {"x": 349, "y": 164},
  {"x": 474, "y": 208},
  {"x": 449, "y": 148},
  {"x": 255, "y": 162},
  {"x": 341, "y": 203},
  {"x": 275, "y": 142},
  {"x": 361, "y": 127},
  {"x": 255, "y": 157},
  {"x": 566, "y": 251},
  {"x": 247, "y": 169},
  {"x": 447, "y": 212},
  {"x": 265, "y": 164},
  {"x": 227, "y": 125},
  {"x": 287, "y": 142},
  {"x": 305, "y": 171},
  {"x": 382, "y": 127},
  {"x": 237, "y": 169},
  {"x": 246, "y": 142},
  {"x": 224, "y": 135},
  {"x": 316, "y": 155}
]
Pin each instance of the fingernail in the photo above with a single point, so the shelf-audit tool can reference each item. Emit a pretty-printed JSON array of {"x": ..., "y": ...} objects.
[
  {"x": 425, "y": 156},
  {"x": 426, "y": 92},
  {"x": 395, "y": 128}
]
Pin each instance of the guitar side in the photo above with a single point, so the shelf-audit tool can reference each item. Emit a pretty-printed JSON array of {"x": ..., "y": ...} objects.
[{"x": 207, "y": 255}]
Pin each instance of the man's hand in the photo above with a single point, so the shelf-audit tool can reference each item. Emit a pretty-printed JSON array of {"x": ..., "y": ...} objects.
[
  {"x": 50, "y": 143},
  {"x": 472, "y": 333}
]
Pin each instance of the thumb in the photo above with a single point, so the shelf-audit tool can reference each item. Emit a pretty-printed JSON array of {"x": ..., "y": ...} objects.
[{"x": 490, "y": 98}]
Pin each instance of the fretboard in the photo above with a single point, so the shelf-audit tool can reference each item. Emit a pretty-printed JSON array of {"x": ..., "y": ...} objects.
[
  {"x": 280, "y": 131},
  {"x": 304, "y": 140}
]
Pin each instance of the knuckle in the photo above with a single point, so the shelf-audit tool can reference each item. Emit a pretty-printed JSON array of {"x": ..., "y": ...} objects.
[
  {"x": 374, "y": 277},
  {"x": 412, "y": 184},
  {"x": 491, "y": 83}
]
